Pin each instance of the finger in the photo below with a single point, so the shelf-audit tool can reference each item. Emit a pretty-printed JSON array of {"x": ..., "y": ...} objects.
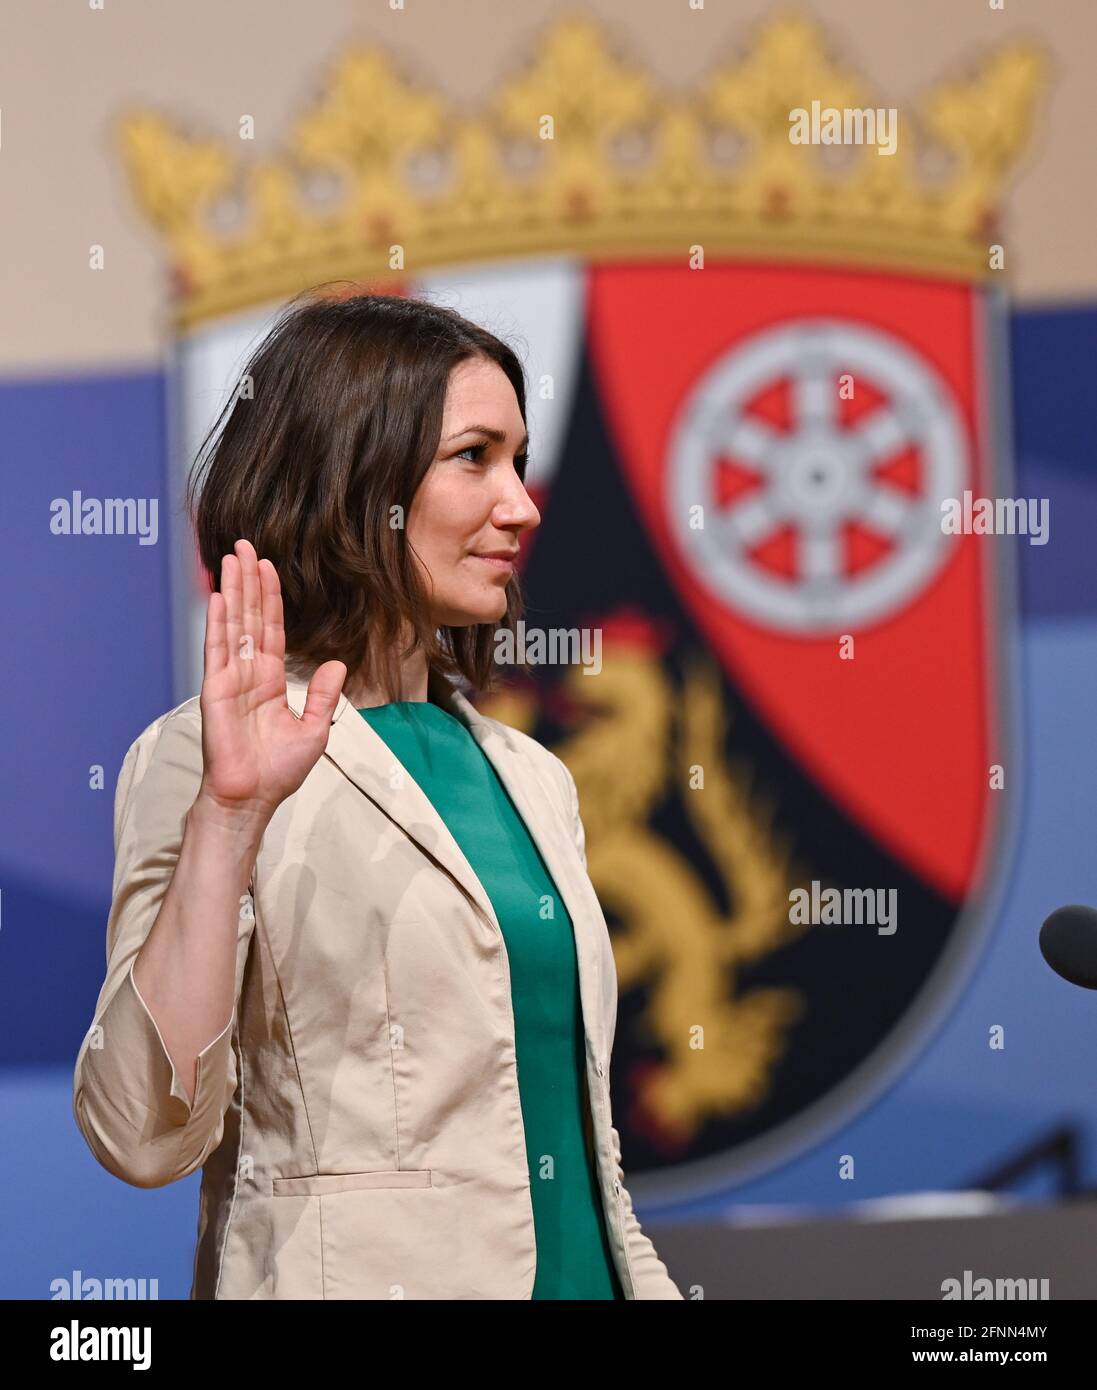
[
  {"x": 324, "y": 691},
  {"x": 216, "y": 656},
  {"x": 253, "y": 613},
  {"x": 274, "y": 632},
  {"x": 232, "y": 589}
]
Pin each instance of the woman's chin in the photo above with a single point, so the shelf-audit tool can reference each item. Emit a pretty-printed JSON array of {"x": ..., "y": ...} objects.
[{"x": 489, "y": 609}]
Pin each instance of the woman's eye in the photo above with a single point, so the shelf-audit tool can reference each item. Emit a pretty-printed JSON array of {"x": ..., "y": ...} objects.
[{"x": 521, "y": 461}]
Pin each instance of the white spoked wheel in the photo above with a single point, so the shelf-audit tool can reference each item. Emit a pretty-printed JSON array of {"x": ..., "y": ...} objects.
[{"x": 823, "y": 536}]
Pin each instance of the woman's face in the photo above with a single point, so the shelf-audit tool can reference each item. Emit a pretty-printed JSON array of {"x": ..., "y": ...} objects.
[{"x": 472, "y": 502}]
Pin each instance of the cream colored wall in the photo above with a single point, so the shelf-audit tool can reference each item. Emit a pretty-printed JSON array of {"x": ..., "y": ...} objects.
[{"x": 67, "y": 72}]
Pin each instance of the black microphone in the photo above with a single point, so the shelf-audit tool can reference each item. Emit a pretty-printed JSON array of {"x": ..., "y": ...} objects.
[{"x": 1068, "y": 942}]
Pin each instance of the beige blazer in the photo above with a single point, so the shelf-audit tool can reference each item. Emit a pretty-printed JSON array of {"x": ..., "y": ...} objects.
[{"x": 358, "y": 1122}]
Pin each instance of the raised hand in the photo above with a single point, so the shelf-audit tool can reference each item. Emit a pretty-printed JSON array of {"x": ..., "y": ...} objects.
[{"x": 255, "y": 750}]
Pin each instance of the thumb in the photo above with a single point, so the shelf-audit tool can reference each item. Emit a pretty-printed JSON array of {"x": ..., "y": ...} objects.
[{"x": 324, "y": 690}]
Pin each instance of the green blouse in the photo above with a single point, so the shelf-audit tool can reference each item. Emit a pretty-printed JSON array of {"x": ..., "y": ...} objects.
[{"x": 439, "y": 752}]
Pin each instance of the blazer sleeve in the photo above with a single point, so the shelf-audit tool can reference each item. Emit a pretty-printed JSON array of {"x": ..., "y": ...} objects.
[
  {"x": 650, "y": 1273},
  {"x": 127, "y": 1100}
]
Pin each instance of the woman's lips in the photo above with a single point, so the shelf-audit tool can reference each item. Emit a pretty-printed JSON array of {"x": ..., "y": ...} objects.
[{"x": 497, "y": 563}]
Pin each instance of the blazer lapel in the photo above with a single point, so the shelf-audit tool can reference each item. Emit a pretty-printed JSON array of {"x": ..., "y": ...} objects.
[{"x": 366, "y": 759}]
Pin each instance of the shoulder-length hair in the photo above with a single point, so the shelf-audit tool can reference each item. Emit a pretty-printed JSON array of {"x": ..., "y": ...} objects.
[{"x": 334, "y": 423}]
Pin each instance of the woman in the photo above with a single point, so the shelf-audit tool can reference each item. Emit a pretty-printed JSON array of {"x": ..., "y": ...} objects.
[{"x": 382, "y": 890}]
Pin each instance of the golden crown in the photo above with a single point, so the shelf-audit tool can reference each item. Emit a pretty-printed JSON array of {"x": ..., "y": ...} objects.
[{"x": 581, "y": 154}]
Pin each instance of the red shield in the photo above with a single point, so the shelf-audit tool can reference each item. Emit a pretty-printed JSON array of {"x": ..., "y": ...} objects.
[{"x": 818, "y": 419}]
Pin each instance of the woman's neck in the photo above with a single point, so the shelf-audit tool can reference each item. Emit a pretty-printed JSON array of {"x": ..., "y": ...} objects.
[{"x": 414, "y": 685}]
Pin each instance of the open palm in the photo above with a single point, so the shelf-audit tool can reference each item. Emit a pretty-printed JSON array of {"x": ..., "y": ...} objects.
[{"x": 255, "y": 750}]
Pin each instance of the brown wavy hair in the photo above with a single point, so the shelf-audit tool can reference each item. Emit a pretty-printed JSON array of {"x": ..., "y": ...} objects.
[{"x": 336, "y": 420}]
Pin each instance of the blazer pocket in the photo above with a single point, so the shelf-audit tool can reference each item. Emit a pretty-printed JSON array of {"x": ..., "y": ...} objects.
[{"x": 322, "y": 1184}]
